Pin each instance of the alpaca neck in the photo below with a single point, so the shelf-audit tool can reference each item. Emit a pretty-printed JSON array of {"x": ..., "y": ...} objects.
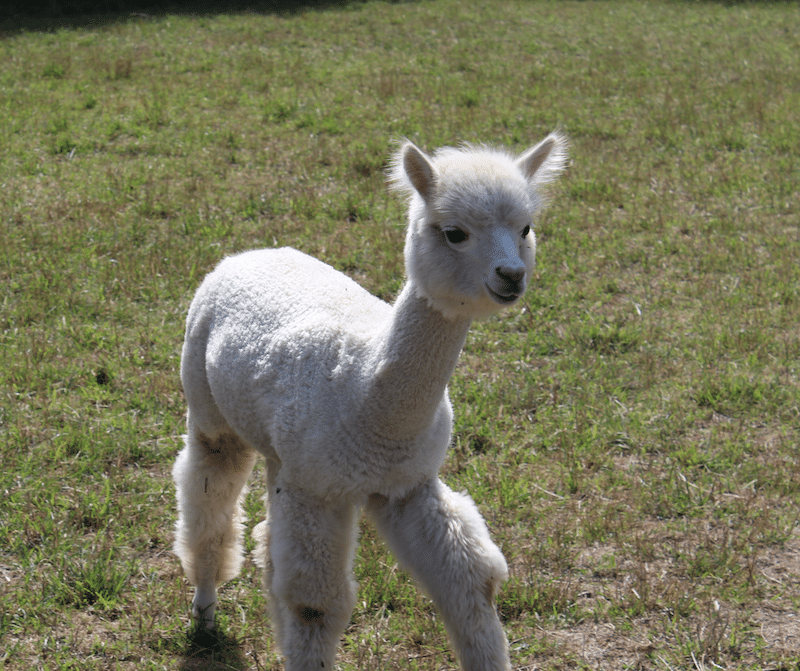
[{"x": 414, "y": 362}]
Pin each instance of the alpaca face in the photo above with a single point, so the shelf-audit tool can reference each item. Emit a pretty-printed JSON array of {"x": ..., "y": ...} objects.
[
  {"x": 469, "y": 248},
  {"x": 473, "y": 255}
]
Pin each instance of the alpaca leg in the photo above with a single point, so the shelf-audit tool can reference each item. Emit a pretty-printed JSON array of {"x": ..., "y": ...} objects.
[
  {"x": 441, "y": 539},
  {"x": 309, "y": 575},
  {"x": 210, "y": 476},
  {"x": 261, "y": 530}
]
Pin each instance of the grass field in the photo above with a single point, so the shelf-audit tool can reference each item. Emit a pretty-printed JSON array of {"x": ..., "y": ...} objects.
[{"x": 631, "y": 433}]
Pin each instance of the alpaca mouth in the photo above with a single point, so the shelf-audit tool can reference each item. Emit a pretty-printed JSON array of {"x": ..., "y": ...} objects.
[{"x": 502, "y": 299}]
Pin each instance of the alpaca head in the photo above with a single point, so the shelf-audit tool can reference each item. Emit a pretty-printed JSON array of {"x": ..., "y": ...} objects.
[{"x": 469, "y": 246}]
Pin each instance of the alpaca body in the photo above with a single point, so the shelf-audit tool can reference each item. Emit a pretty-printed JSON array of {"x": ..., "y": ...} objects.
[
  {"x": 302, "y": 384},
  {"x": 346, "y": 398}
]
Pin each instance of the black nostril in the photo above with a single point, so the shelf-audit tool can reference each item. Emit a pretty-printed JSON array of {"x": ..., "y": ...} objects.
[{"x": 510, "y": 273}]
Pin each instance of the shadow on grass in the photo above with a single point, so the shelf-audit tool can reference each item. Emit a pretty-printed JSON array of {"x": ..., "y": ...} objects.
[
  {"x": 212, "y": 650},
  {"x": 48, "y": 15}
]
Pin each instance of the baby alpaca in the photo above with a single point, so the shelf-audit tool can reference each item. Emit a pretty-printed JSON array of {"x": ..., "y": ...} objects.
[{"x": 346, "y": 398}]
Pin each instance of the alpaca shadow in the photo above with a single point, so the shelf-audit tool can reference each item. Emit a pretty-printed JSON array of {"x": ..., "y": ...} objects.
[{"x": 211, "y": 649}]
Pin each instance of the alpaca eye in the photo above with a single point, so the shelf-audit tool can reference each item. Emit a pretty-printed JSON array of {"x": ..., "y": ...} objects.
[
  {"x": 455, "y": 235},
  {"x": 525, "y": 231}
]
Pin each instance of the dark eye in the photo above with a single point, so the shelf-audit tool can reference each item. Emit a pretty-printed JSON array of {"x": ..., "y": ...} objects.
[
  {"x": 455, "y": 235},
  {"x": 525, "y": 231}
]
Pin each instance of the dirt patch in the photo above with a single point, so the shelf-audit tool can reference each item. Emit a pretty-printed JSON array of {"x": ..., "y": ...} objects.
[{"x": 710, "y": 632}]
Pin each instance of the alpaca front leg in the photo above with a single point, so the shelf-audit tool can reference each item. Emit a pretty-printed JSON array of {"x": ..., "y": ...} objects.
[
  {"x": 210, "y": 476},
  {"x": 311, "y": 545},
  {"x": 441, "y": 539}
]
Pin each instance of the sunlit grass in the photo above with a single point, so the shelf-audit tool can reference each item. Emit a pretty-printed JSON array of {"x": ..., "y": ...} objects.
[{"x": 630, "y": 433}]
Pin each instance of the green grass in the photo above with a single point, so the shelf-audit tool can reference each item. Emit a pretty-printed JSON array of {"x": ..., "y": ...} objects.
[{"x": 630, "y": 433}]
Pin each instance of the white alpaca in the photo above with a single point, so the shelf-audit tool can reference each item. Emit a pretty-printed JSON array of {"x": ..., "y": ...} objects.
[{"x": 346, "y": 397}]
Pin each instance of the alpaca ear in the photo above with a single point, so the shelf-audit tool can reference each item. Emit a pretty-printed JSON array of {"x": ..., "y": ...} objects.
[
  {"x": 419, "y": 170},
  {"x": 546, "y": 161}
]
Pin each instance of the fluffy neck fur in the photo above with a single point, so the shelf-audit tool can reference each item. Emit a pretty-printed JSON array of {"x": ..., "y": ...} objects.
[{"x": 413, "y": 363}]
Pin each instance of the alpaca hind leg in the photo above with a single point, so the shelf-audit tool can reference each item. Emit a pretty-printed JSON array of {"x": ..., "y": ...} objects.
[
  {"x": 261, "y": 530},
  {"x": 309, "y": 575},
  {"x": 210, "y": 476},
  {"x": 441, "y": 539}
]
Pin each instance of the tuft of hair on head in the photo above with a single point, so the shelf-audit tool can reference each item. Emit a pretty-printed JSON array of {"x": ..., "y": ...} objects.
[{"x": 416, "y": 174}]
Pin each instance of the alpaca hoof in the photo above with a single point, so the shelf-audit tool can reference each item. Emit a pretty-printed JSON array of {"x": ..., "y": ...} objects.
[{"x": 204, "y": 614}]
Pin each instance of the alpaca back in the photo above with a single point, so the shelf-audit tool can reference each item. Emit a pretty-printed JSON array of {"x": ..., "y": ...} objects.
[{"x": 273, "y": 321}]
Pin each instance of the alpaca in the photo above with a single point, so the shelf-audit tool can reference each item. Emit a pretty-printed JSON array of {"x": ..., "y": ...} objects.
[{"x": 346, "y": 398}]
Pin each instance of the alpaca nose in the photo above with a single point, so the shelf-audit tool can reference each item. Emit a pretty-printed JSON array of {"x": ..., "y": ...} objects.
[{"x": 511, "y": 272}]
